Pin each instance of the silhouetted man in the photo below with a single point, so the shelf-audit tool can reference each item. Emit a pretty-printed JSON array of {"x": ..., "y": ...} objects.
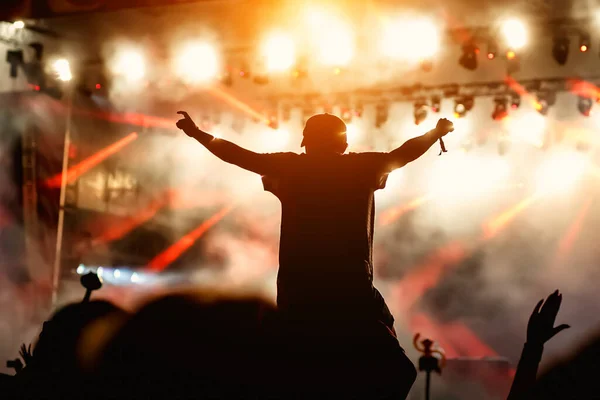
[{"x": 327, "y": 223}]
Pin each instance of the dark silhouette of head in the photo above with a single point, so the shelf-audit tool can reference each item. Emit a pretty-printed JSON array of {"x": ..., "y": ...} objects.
[{"x": 325, "y": 134}]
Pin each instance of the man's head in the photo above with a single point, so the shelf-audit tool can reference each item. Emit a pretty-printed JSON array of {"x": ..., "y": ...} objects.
[{"x": 325, "y": 133}]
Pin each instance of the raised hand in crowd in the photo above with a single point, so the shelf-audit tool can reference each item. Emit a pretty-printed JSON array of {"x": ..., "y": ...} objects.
[
  {"x": 26, "y": 354},
  {"x": 540, "y": 329}
]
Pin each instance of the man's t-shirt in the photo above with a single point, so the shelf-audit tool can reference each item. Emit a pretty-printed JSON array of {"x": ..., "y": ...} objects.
[{"x": 327, "y": 223}]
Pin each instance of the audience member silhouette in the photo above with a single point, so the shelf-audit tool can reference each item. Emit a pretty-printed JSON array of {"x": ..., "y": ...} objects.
[{"x": 540, "y": 329}]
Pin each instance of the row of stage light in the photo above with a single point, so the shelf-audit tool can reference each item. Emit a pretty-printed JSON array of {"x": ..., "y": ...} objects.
[{"x": 332, "y": 44}]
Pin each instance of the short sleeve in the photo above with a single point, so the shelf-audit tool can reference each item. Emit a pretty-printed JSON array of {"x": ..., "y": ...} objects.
[
  {"x": 374, "y": 167},
  {"x": 279, "y": 165}
]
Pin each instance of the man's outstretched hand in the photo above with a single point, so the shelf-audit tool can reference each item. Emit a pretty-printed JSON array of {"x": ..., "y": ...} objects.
[
  {"x": 444, "y": 126},
  {"x": 186, "y": 124},
  {"x": 541, "y": 327}
]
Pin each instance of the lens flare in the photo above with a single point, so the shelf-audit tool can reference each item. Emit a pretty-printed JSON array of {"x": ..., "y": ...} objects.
[
  {"x": 514, "y": 33},
  {"x": 130, "y": 64},
  {"x": 279, "y": 52},
  {"x": 62, "y": 68},
  {"x": 333, "y": 38},
  {"x": 197, "y": 62}
]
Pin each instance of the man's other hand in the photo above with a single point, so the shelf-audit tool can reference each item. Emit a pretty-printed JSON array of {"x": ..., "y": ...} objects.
[
  {"x": 444, "y": 126},
  {"x": 186, "y": 124}
]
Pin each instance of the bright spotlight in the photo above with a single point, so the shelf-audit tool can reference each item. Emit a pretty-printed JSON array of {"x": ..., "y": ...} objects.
[
  {"x": 130, "y": 64},
  {"x": 279, "y": 52},
  {"x": 100, "y": 271},
  {"x": 197, "y": 62},
  {"x": 333, "y": 37},
  {"x": 514, "y": 33},
  {"x": 80, "y": 269},
  {"x": 560, "y": 172},
  {"x": 19, "y": 24},
  {"x": 117, "y": 273},
  {"x": 62, "y": 68},
  {"x": 414, "y": 39},
  {"x": 135, "y": 278}
]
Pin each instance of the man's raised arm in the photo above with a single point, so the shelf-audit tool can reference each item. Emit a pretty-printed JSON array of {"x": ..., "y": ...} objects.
[
  {"x": 225, "y": 150},
  {"x": 416, "y": 147}
]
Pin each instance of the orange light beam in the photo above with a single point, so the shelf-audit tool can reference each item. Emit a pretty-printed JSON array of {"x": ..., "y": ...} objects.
[
  {"x": 136, "y": 119},
  {"x": 496, "y": 224},
  {"x": 164, "y": 259},
  {"x": 392, "y": 214},
  {"x": 570, "y": 237},
  {"x": 584, "y": 88},
  {"x": 82, "y": 167},
  {"x": 228, "y": 97},
  {"x": 118, "y": 230},
  {"x": 519, "y": 89}
]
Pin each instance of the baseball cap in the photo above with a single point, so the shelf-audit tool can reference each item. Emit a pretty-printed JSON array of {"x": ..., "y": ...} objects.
[{"x": 324, "y": 127}]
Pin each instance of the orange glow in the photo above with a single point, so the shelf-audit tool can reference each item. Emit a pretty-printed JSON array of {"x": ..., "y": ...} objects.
[
  {"x": 584, "y": 89},
  {"x": 392, "y": 214},
  {"x": 496, "y": 224},
  {"x": 74, "y": 172},
  {"x": 570, "y": 237},
  {"x": 519, "y": 89},
  {"x": 423, "y": 277},
  {"x": 583, "y": 48},
  {"x": 164, "y": 259},
  {"x": 232, "y": 100},
  {"x": 118, "y": 230},
  {"x": 511, "y": 55}
]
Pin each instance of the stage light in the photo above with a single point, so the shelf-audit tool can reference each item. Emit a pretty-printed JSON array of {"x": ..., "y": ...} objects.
[
  {"x": 500, "y": 108},
  {"x": 515, "y": 101},
  {"x": 100, "y": 271},
  {"x": 436, "y": 104},
  {"x": 515, "y": 34},
  {"x": 468, "y": 59},
  {"x": 135, "y": 278},
  {"x": 333, "y": 38},
  {"x": 584, "y": 42},
  {"x": 80, "y": 269},
  {"x": 117, "y": 273},
  {"x": 273, "y": 122},
  {"x": 492, "y": 49},
  {"x": 347, "y": 115},
  {"x": 15, "y": 59},
  {"x": 559, "y": 173},
  {"x": 511, "y": 55},
  {"x": 381, "y": 115},
  {"x": 130, "y": 64},
  {"x": 584, "y": 105},
  {"x": 420, "y": 112},
  {"x": 279, "y": 52},
  {"x": 18, "y": 24},
  {"x": 62, "y": 68},
  {"x": 560, "y": 49},
  {"x": 544, "y": 102},
  {"x": 197, "y": 62},
  {"x": 410, "y": 39},
  {"x": 459, "y": 108}
]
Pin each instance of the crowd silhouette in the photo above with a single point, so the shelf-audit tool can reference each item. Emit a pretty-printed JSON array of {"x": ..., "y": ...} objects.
[{"x": 331, "y": 334}]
